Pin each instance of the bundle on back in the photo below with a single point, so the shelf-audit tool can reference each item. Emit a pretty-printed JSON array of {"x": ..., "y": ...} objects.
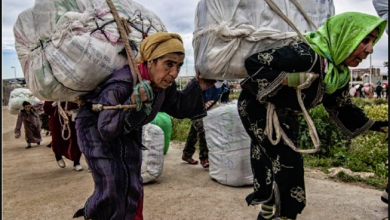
[
  {"x": 68, "y": 47},
  {"x": 20, "y": 95},
  {"x": 228, "y": 31},
  {"x": 382, "y": 8}
]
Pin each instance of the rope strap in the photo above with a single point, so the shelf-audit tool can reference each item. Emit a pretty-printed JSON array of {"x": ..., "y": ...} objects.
[
  {"x": 149, "y": 92},
  {"x": 279, "y": 12},
  {"x": 64, "y": 126},
  {"x": 273, "y": 120},
  {"x": 124, "y": 31}
]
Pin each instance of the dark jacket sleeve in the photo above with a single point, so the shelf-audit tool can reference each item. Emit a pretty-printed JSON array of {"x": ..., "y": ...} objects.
[
  {"x": 269, "y": 68},
  {"x": 187, "y": 103},
  {"x": 19, "y": 123},
  {"x": 110, "y": 122},
  {"x": 350, "y": 118}
]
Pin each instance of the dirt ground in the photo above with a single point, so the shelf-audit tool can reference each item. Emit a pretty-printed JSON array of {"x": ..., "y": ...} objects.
[{"x": 35, "y": 187}]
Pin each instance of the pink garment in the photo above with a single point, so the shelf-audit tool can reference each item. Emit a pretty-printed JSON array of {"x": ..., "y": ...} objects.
[{"x": 143, "y": 69}]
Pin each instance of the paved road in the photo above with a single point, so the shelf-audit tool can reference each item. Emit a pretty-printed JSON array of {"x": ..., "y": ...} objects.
[{"x": 34, "y": 187}]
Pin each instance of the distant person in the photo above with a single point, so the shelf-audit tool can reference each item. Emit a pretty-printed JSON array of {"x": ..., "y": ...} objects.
[
  {"x": 225, "y": 92},
  {"x": 384, "y": 91},
  {"x": 359, "y": 89},
  {"x": 210, "y": 97},
  {"x": 45, "y": 123},
  {"x": 378, "y": 90},
  {"x": 61, "y": 147},
  {"x": 385, "y": 193},
  {"x": 32, "y": 125}
]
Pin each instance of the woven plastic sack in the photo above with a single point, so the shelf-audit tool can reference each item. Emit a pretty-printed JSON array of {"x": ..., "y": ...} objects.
[
  {"x": 18, "y": 96},
  {"x": 229, "y": 146},
  {"x": 382, "y": 8},
  {"x": 68, "y": 47},
  {"x": 229, "y": 31},
  {"x": 164, "y": 121},
  {"x": 153, "y": 157}
]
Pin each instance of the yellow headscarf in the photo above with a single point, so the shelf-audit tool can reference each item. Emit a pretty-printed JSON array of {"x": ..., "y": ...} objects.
[{"x": 158, "y": 44}]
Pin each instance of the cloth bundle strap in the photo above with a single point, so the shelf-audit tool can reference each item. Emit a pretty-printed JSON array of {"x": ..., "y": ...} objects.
[{"x": 272, "y": 120}]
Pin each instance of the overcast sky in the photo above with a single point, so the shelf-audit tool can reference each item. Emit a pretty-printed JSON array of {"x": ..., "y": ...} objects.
[{"x": 178, "y": 16}]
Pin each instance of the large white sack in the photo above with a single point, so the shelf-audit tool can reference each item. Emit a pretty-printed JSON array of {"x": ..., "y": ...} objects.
[
  {"x": 382, "y": 8},
  {"x": 153, "y": 157},
  {"x": 62, "y": 53},
  {"x": 18, "y": 96},
  {"x": 229, "y": 146},
  {"x": 229, "y": 31}
]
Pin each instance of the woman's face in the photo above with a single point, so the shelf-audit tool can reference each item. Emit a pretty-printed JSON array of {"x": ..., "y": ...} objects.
[
  {"x": 362, "y": 50},
  {"x": 27, "y": 107},
  {"x": 165, "y": 70}
]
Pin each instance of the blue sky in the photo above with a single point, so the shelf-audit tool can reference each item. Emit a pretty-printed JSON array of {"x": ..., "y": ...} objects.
[{"x": 181, "y": 21}]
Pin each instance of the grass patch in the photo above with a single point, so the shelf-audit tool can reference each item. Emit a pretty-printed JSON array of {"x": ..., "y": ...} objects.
[{"x": 365, "y": 153}]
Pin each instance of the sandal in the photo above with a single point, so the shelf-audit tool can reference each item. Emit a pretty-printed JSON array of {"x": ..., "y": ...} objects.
[
  {"x": 205, "y": 163},
  {"x": 189, "y": 160}
]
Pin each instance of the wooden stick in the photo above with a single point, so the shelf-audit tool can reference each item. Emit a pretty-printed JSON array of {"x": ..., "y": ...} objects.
[
  {"x": 99, "y": 107},
  {"x": 122, "y": 31}
]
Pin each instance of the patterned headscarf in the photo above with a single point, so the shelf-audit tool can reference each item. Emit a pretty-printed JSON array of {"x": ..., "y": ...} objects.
[
  {"x": 158, "y": 44},
  {"x": 338, "y": 38}
]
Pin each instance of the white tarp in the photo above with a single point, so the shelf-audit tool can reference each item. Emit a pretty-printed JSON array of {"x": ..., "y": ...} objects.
[
  {"x": 229, "y": 146},
  {"x": 18, "y": 96},
  {"x": 382, "y": 8},
  {"x": 153, "y": 157},
  {"x": 68, "y": 47},
  {"x": 229, "y": 31}
]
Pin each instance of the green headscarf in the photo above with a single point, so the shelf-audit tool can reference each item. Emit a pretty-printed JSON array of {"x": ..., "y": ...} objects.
[{"x": 338, "y": 38}]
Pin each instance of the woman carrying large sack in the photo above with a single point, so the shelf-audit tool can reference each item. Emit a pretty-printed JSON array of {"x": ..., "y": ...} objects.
[
  {"x": 270, "y": 102},
  {"x": 32, "y": 125},
  {"x": 111, "y": 139}
]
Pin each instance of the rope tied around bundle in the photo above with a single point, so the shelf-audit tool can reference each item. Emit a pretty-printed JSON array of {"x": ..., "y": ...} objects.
[
  {"x": 64, "y": 125},
  {"x": 124, "y": 31},
  {"x": 272, "y": 121}
]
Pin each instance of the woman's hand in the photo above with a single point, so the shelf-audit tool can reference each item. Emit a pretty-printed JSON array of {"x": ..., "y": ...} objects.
[
  {"x": 208, "y": 104},
  {"x": 204, "y": 83},
  {"x": 142, "y": 94}
]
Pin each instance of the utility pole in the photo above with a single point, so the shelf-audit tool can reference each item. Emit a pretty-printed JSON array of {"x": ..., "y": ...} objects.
[
  {"x": 370, "y": 68},
  {"x": 14, "y": 72}
]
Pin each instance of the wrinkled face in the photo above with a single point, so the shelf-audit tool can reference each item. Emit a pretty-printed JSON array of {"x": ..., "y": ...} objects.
[
  {"x": 27, "y": 107},
  {"x": 362, "y": 50},
  {"x": 165, "y": 70}
]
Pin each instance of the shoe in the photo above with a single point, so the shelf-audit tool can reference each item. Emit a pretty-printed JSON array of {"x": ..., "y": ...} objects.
[
  {"x": 78, "y": 168},
  {"x": 385, "y": 195},
  {"x": 189, "y": 160},
  {"x": 49, "y": 145},
  {"x": 61, "y": 163},
  {"x": 260, "y": 217},
  {"x": 205, "y": 163},
  {"x": 39, "y": 143},
  {"x": 28, "y": 146}
]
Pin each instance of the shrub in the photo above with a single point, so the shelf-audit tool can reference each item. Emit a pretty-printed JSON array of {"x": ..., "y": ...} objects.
[{"x": 180, "y": 129}]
